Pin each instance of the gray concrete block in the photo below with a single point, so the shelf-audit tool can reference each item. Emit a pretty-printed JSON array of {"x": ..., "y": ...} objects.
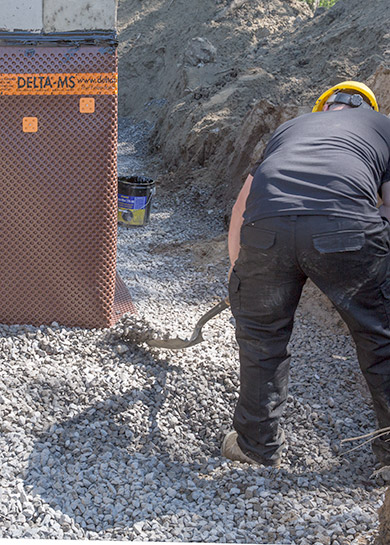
[
  {"x": 21, "y": 15},
  {"x": 68, "y": 15}
]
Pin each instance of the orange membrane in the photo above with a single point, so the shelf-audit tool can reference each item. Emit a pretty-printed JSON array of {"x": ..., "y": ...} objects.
[
  {"x": 59, "y": 84},
  {"x": 59, "y": 187}
]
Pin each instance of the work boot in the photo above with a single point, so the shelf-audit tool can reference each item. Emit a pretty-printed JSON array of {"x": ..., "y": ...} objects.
[{"x": 230, "y": 449}]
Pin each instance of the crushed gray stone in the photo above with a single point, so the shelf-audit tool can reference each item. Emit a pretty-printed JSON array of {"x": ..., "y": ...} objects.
[{"x": 102, "y": 437}]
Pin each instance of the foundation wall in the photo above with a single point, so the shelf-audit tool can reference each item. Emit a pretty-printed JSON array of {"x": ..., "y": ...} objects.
[
  {"x": 57, "y": 15},
  {"x": 21, "y": 15}
]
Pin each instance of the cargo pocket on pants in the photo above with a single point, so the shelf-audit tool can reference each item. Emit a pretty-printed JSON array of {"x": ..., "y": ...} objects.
[
  {"x": 339, "y": 241},
  {"x": 257, "y": 238}
]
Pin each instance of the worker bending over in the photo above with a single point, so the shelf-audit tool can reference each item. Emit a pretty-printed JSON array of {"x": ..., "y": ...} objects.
[{"x": 310, "y": 211}]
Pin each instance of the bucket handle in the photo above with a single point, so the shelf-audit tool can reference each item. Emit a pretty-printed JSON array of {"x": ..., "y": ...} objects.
[{"x": 152, "y": 192}]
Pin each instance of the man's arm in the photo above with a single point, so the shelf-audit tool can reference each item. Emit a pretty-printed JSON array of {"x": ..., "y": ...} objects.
[
  {"x": 384, "y": 209},
  {"x": 237, "y": 220}
]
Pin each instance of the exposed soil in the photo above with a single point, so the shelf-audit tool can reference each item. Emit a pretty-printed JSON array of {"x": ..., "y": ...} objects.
[{"x": 217, "y": 80}]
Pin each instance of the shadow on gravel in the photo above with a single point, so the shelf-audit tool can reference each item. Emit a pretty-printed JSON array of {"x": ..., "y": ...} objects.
[
  {"x": 114, "y": 463},
  {"x": 115, "y": 466}
]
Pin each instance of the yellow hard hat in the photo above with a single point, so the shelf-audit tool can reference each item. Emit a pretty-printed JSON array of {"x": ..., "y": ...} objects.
[{"x": 361, "y": 88}]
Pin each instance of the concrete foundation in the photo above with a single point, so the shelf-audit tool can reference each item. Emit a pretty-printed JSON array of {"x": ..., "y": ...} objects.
[
  {"x": 57, "y": 15},
  {"x": 21, "y": 15}
]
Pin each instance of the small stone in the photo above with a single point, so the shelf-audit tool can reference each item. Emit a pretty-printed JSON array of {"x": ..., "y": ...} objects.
[
  {"x": 138, "y": 526},
  {"x": 171, "y": 492},
  {"x": 250, "y": 491},
  {"x": 199, "y": 51},
  {"x": 122, "y": 349}
]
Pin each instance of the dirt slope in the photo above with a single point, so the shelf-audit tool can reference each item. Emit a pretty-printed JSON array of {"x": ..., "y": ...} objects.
[
  {"x": 160, "y": 63},
  {"x": 213, "y": 76}
]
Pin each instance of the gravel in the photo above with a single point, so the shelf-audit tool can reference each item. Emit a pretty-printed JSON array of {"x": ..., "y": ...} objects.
[{"x": 104, "y": 438}]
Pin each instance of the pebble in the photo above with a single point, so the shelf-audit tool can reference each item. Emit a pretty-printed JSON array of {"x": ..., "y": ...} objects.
[{"x": 122, "y": 348}]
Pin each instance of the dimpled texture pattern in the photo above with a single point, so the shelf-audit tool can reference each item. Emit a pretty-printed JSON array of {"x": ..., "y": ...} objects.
[{"x": 58, "y": 197}]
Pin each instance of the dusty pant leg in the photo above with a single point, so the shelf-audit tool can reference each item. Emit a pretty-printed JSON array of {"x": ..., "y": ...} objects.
[
  {"x": 357, "y": 281},
  {"x": 375, "y": 366},
  {"x": 264, "y": 288},
  {"x": 373, "y": 351}
]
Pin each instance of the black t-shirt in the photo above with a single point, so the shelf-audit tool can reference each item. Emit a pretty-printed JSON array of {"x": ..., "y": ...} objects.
[{"x": 328, "y": 163}]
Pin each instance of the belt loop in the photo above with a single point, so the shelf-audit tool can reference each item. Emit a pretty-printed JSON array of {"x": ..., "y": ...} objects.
[{"x": 293, "y": 218}]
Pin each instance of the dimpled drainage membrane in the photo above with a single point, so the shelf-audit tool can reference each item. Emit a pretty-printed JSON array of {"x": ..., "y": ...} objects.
[{"x": 58, "y": 191}]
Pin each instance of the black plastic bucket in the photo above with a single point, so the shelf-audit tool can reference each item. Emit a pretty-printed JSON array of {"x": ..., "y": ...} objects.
[{"x": 134, "y": 200}]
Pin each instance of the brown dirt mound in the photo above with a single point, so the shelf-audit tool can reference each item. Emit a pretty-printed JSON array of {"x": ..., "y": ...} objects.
[{"x": 214, "y": 79}]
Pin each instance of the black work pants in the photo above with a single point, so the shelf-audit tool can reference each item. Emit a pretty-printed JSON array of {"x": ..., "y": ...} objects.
[{"x": 349, "y": 261}]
